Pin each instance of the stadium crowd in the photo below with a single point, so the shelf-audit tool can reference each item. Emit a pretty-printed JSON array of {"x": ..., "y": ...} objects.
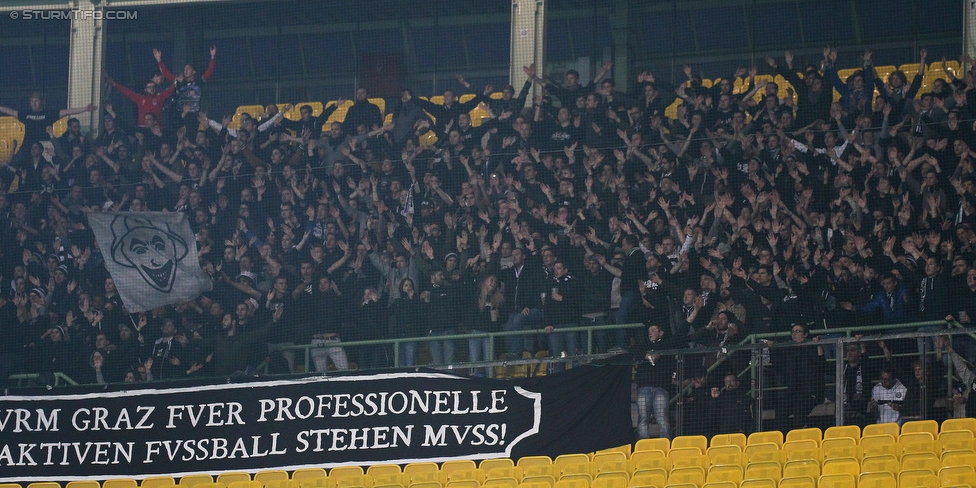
[{"x": 588, "y": 206}]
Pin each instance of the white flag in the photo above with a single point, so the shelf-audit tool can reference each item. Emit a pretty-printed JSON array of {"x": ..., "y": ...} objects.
[{"x": 151, "y": 256}]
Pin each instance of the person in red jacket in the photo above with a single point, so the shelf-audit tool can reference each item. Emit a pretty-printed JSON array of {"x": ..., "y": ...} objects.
[{"x": 150, "y": 101}]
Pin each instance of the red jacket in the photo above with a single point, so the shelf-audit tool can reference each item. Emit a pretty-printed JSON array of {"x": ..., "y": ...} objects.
[{"x": 147, "y": 103}]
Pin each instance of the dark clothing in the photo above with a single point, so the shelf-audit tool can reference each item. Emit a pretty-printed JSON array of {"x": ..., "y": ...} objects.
[
  {"x": 659, "y": 372},
  {"x": 567, "y": 310},
  {"x": 448, "y": 113},
  {"x": 440, "y": 311},
  {"x": 362, "y": 112},
  {"x": 634, "y": 271},
  {"x": 933, "y": 298},
  {"x": 408, "y": 318},
  {"x": 522, "y": 287}
]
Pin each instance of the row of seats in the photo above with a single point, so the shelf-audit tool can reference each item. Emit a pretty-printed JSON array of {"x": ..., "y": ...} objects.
[{"x": 920, "y": 453}]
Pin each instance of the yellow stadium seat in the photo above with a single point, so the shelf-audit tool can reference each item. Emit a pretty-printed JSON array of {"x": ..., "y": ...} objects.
[
  {"x": 798, "y": 482},
  {"x": 802, "y": 468},
  {"x": 933, "y": 447},
  {"x": 868, "y": 443},
  {"x": 420, "y": 467},
  {"x": 958, "y": 458},
  {"x": 497, "y": 483},
  {"x": 852, "y": 431},
  {"x": 513, "y": 472},
  {"x": 965, "y": 423},
  {"x": 877, "y": 480},
  {"x": 918, "y": 477},
  {"x": 458, "y": 465},
  {"x": 679, "y": 452},
  {"x": 422, "y": 477},
  {"x": 840, "y": 466},
  {"x": 547, "y": 470},
  {"x": 828, "y": 444},
  {"x": 774, "y": 456},
  {"x": 721, "y": 440},
  {"x": 839, "y": 452},
  {"x": 837, "y": 481},
  {"x": 157, "y": 482},
  {"x": 927, "y": 461},
  {"x": 619, "y": 465},
  {"x": 279, "y": 483},
  {"x": 197, "y": 479},
  {"x": 616, "y": 479},
  {"x": 813, "y": 434},
  {"x": 909, "y": 69},
  {"x": 758, "y": 483},
  {"x": 688, "y": 475},
  {"x": 549, "y": 480},
  {"x": 257, "y": 484},
  {"x": 930, "y": 426},
  {"x": 267, "y": 475},
  {"x": 488, "y": 464},
  {"x": 83, "y": 484},
  {"x": 664, "y": 463},
  {"x": 653, "y": 444},
  {"x": 352, "y": 481},
  {"x": 713, "y": 452},
  {"x": 573, "y": 482},
  {"x": 699, "y": 441},
  {"x": 649, "y": 479},
  {"x": 463, "y": 484},
  {"x": 752, "y": 449},
  {"x": 768, "y": 470},
  {"x": 720, "y": 484},
  {"x": 437, "y": 484},
  {"x": 806, "y": 455},
  {"x": 230, "y": 477},
  {"x": 625, "y": 449},
  {"x": 466, "y": 475},
  {"x": 800, "y": 444},
  {"x": 774, "y": 437},
  {"x": 724, "y": 473},
  {"x": 884, "y": 463},
  {"x": 736, "y": 458},
  {"x": 957, "y": 475},
  {"x": 955, "y": 438},
  {"x": 603, "y": 457},
  {"x": 889, "y": 428},
  {"x": 570, "y": 459},
  {"x": 384, "y": 469},
  {"x": 700, "y": 461},
  {"x": 384, "y": 479}
]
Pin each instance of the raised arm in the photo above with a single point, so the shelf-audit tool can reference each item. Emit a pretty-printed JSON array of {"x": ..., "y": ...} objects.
[{"x": 75, "y": 111}]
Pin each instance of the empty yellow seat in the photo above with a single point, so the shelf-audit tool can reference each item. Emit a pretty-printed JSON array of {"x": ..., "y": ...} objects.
[
  {"x": 851, "y": 452},
  {"x": 798, "y": 482},
  {"x": 157, "y": 482},
  {"x": 837, "y": 481},
  {"x": 930, "y": 426},
  {"x": 957, "y": 475},
  {"x": 649, "y": 479},
  {"x": 713, "y": 452},
  {"x": 958, "y": 458},
  {"x": 603, "y": 457},
  {"x": 916, "y": 461},
  {"x": 720, "y": 484},
  {"x": 877, "y": 480},
  {"x": 724, "y": 473},
  {"x": 758, "y": 483},
  {"x": 813, "y": 434},
  {"x": 815, "y": 455},
  {"x": 884, "y": 463},
  {"x": 774, "y": 437},
  {"x": 687, "y": 475},
  {"x": 499, "y": 483},
  {"x": 736, "y": 439},
  {"x": 513, "y": 472},
  {"x": 889, "y": 428},
  {"x": 841, "y": 466},
  {"x": 700, "y": 461},
  {"x": 828, "y": 444},
  {"x": 488, "y": 464},
  {"x": 198, "y": 479},
  {"x": 653, "y": 444},
  {"x": 918, "y": 477},
  {"x": 933, "y": 447},
  {"x": 83, "y": 484},
  {"x": 662, "y": 462},
  {"x": 699, "y": 441},
  {"x": 764, "y": 470},
  {"x": 966, "y": 423},
  {"x": 230, "y": 477},
  {"x": 573, "y": 482},
  {"x": 774, "y": 456},
  {"x": 736, "y": 458},
  {"x": 804, "y": 467},
  {"x": 609, "y": 466}
]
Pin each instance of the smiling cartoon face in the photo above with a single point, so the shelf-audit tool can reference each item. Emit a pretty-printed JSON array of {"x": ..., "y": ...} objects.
[{"x": 154, "y": 252}]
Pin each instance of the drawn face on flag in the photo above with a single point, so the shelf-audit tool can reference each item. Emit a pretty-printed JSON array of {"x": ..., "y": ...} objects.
[{"x": 154, "y": 251}]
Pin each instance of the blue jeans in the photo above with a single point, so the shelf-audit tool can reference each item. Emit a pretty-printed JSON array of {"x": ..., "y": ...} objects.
[
  {"x": 517, "y": 321},
  {"x": 408, "y": 354},
  {"x": 561, "y": 341},
  {"x": 478, "y": 351},
  {"x": 652, "y": 397},
  {"x": 442, "y": 352}
]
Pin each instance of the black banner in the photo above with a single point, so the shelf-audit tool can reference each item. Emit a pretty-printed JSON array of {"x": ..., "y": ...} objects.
[{"x": 315, "y": 421}]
